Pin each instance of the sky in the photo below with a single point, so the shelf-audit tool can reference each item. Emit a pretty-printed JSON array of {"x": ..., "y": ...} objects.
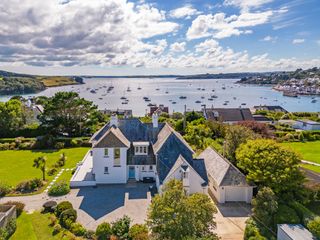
[{"x": 120, "y": 37}]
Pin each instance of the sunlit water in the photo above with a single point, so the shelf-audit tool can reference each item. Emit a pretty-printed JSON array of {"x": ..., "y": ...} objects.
[{"x": 156, "y": 88}]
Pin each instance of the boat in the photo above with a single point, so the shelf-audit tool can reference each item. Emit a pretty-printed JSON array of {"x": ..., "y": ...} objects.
[
  {"x": 234, "y": 98},
  {"x": 202, "y": 97},
  {"x": 198, "y": 88},
  {"x": 128, "y": 89},
  {"x": 210, "y": 99},
  {"x": 212, "y": 90},
  {"x": 139, "y": 88},
  {"x": 198, "y": 101},
  {"x": 147, "y": 100},
  {"x": 100, "y": 98},
  {"x": 224, "y": 88},
  {"x": 214, "y": 96},
  {"x": 183, "y": 97},
  {"x": 150, "y": 105},
  {"x": 290, "y": 94},
  {"x": 93, "y": 91},
  {"x": 243, "y": 104},
  {"x": 225, "y": 103},
  {"x": 167, "y": 92},
  {"x": 174, "y": 102},
  {"x": 157, "y": 89},
  {"x": 122, "y": 98},
  {"x": 314, "y": 101},
  {"x": 203, "y": 89}
]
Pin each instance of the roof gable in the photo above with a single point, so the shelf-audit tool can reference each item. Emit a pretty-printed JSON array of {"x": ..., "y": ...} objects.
[{"x": 112, "y": 138}]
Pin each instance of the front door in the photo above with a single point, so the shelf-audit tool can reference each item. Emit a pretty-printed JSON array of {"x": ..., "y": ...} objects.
[{"x": 132, "y": 172}]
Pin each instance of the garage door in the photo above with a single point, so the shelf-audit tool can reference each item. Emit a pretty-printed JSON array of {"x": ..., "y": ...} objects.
[{"x": 235, "y": 194}]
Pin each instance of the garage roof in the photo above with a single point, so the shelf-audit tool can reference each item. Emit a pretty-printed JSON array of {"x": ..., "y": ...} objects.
[{"x": 221, "y": 170}]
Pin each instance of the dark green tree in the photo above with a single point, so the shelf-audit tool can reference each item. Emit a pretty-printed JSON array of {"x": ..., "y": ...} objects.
[
  {"x": 269, "y": 164},
  {"x": 66, "y": 112}
]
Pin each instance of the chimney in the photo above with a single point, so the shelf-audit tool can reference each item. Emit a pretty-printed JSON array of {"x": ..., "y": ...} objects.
[
  {"x": 114, "y": 120},
  {"x": 155, "y": 118}
]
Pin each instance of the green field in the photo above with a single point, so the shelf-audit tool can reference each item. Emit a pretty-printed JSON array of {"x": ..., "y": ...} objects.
[
  {"x": 16, "y": 165},
  {"x": 34, "y": 226},
  {"x": 309, "y": 151}
]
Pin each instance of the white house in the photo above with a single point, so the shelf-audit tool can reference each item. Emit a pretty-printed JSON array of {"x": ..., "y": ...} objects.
[
  {"x": 226, "y": 182},
  {"x": 127, "y": 150},
  {"x": 307, "y": 125}
]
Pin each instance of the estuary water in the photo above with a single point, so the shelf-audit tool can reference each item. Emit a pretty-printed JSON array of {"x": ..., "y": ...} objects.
[{"x": 168, "y": 91}]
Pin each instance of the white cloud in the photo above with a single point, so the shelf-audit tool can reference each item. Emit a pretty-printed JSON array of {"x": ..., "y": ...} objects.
[
  {"x": 220, "y": 26},
  {"x": 184, "y": 12},
  {"x": 298, "y": 41},
  {"x": 178, "y": 46},
  {"x": 245, "y": 5},
  {"x": 269, "y": 39}
]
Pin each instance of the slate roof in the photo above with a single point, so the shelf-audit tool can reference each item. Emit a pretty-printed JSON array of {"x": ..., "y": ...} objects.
[
  {"x": 275, "y": 108},
  {"x": 112, "y": 138},
  {"x": 221, "y": 170},
  {"x": 229, "y": 114},
  {"x": 261, "y": 118}
]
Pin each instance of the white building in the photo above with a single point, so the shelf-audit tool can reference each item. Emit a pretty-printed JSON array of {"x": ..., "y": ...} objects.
[
  {"x": 307, "y": 125},
  {"x": 130, "y": 150},
  {"x": 294, "y": 232}
]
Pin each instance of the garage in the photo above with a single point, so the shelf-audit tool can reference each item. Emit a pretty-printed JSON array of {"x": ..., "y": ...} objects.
[{"x": 235, "y": 194}]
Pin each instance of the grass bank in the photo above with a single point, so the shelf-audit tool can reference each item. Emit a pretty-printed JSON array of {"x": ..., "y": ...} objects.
[{"x": 309, "y": 151}]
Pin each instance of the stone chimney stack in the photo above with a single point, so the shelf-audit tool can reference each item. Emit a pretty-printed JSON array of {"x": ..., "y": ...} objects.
[
  {"x": 114, "y": 120},
  {"x": 155, "y": 119}
]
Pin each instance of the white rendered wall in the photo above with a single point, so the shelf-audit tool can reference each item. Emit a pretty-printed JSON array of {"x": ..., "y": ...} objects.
[{"x": 116, "y": 174}]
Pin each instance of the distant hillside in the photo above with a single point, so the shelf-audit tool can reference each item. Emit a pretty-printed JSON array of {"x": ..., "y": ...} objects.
[
  {"x": 281, "y": 77},
  {"x": 16, "y": 83}
]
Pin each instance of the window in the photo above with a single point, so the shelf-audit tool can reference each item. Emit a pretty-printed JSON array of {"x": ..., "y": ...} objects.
[
  {"x": 106, "y": 170},
  {"x": 106, "y": 152},
  {"x": 185, "y": 175},
  {"x": 141, "y": 150},
  {"x": 116, "y": 161},
  {"x": 150, "y": 168}
]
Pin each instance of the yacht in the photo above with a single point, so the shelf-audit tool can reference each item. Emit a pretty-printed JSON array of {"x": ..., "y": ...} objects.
[
  {"x": 183, "y": 97},
  {"x": 198, "y": 101}
]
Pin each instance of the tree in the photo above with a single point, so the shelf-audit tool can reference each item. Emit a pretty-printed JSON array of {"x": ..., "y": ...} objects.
[
  {"x": 66, "y": 112},
  {"x": 269, "y": 164},
  {"x": 40, "y": 163},
  {"x": 62, "y": 160},
  {"x": 257, "y": 127},
  {"x": 235, "y": 136},
  {"x": 174, "y": 215},
  {"x": 12, "y": 117},
  {"x": 265, "y": 206}
]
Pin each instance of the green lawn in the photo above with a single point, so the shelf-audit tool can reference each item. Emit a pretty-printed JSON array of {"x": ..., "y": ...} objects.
[
  {"x": 309, "y": 151},
  {"x": 34, "y": 226},
  {"x": 16, "y": 165}
]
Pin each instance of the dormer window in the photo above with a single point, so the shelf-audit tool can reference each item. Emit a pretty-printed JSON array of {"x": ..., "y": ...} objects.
[{"x": 140, "y": 148}]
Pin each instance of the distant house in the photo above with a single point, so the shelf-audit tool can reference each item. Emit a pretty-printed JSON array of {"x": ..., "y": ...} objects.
[
  {"x": 228, "y": 115},
  {"x": 158, "y": 109},
  {"x": 126, "y": 113},
  {"x": 306, "y": 124},
  {"x": 226, "y": 182},
  {"x": 130, "y": 150},
  {"x": 270, "y": 108},
  {"x": 294, "y": 232}
]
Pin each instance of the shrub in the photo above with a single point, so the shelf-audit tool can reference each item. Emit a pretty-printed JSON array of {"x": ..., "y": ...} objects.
[
  {"x": 56, "y": 229},
  {"x": 31, "y": 185},
  {"x": 62, "y": 207},
  {"x": 36, "y": 183},
  {"x": 89, "y": 234},
  {"x": 287, "y": 215},
  {"x": 49, "y": 206},
  {"x": 121, "y": 227},
  {"x": 67, "y": 217},
  {"x": 4, "y": 189},
  {"x": 53, "y": 220},
  {"x": 138, "y": 232},
  {"x": 52, "y": 171},
  {"x": 19, "y": 206},
  {"x": 314, "y": 227},
  {"x": 252, "y": 231},
  {"x": 59, "y": 145},
  {"x": 59, "y": 189},
  {"x": 103, "y": 231},
  {"x": 77, "y": 229}
]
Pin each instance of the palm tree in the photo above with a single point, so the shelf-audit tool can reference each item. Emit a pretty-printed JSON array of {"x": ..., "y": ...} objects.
[{"x": 40, "y": 163}]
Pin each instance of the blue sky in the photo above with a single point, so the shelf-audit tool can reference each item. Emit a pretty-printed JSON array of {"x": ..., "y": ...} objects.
[{"x": 120, "y": 37}]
